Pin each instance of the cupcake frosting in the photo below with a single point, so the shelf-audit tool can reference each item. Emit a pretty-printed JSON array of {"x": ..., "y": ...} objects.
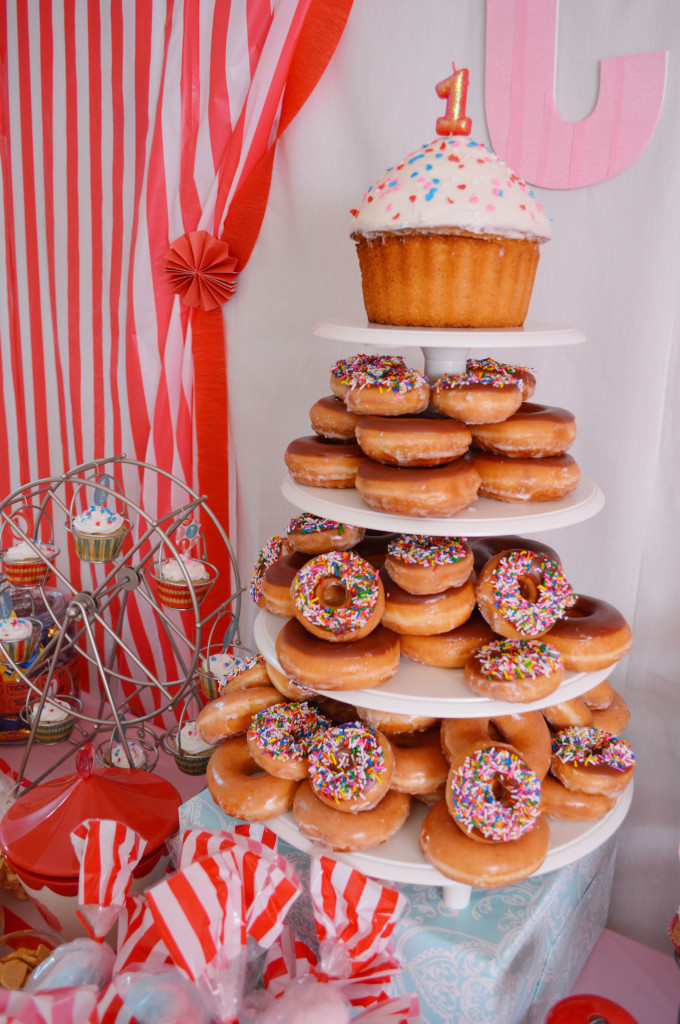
[
  {"x": 15, "y": 629},
  {"x": 25, "y": 552},
  {"x": 223, "y": 666},
  {"x": 55, "y": 710},
  {"x": 190, "y": 741},
  {"x": 172, "y": 570},
  {"x": 99, "y": 520},
  {"x": 119, "y": 756},
  {"x": 452, "y": 183}
]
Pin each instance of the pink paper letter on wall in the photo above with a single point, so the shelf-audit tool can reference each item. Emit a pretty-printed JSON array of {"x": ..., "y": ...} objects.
[{"x": 524, "y": 125}]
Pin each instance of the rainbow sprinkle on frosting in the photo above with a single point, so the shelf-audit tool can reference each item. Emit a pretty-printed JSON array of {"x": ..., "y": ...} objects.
[
  {"x": 307, "y": 523},
  {"x": 488, "y": 367},
  {"x": 345, "y": 369},
  {"x": 359, "y": 579},
  {"x": 474, "y": 792},
  {"x": 482, "y": 371},
  {"x": 517, "y": 659},
  {"x": 587, "y": 745},
  {"x": 287, "y": 731},
  {"x": 269, "y": 554},
  {"x": 345, "y": 761},
  {"x": 414, "y": 549},
  {"x": 555, "y": 593}
]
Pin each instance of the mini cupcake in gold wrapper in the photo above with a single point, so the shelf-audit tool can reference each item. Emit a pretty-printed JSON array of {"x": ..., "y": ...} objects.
[
  {"x": 171, "y": 578},
  {"x": 98, "y": 533},
  {"x": 19, "y": 638},
  {"x": 191, "y": 754},
  {"x": 28, "y": 563},
  {"x": 57, "y": 718},
  {"x": 449, "y": 237}
]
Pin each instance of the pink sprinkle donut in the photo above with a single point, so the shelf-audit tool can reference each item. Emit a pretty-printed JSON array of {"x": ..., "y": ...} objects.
[
  {"x": 338, "y": 596},
  {"x": 280, "y": 738},
  {"x": 350, "y": 767},
  {"x": 522, "y": 594},
  {"x": 514, "y": 670}
]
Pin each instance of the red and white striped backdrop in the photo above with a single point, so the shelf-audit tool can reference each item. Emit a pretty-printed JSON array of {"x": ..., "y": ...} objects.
[{"x": 123, "y": 125}]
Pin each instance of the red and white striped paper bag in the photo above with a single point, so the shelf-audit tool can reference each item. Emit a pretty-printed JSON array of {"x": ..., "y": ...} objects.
[
  {"x": 62, "y": 1006},
  {"x": 108, "y": 852},
  {"x": 139, "y": 940}
]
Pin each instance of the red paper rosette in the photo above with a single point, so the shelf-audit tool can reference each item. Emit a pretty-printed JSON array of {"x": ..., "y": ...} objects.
[{"x": 200, "y": 270}]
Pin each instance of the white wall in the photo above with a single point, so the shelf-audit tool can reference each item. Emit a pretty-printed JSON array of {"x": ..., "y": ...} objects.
[{"x": 611, "y": 270}]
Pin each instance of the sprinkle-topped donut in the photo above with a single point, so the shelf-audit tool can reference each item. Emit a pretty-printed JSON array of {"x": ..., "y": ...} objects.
[
  {"x": 274, "y": 548},
  {"x": 350, "y": 766},
  {"x": 338, "y": 596},
  {"x": 315, "y": 535},
  {"x": 387, "y": 388},
  {"x": 488, "y": 371},
  {"x": 492, "y": 794},
  {"x": 590, "y": 760},
  {"x": 514, "y": 670},
  {"x": 280, "y": 738},
  {"x": 522, "y": 594},
  {"x": 344, "y": 371},
  {"x": 487, "y": 392},
  {"x": 593, "y": 746},
  {"x": 416, "y": 549}
]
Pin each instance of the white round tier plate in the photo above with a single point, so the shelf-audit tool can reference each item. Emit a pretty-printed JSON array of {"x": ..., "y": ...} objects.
[
  {"x": 484, "y": 518},
  {"x": 425, "y": 690},
  {"x": 537, "y": 334},
  {"x": 400, "y": 860}
]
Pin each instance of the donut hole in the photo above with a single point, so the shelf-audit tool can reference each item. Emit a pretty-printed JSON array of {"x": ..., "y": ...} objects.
[
  {"x": 528, "y": 588},
  {"x": 504, "y": 790},
  {"x": 574, "y": 613},
  {"x": 331, "y": 592}
]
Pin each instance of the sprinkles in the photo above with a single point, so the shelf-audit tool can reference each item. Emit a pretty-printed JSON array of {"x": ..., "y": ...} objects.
[
  {"x": 345, "y": 761},
  {"x": 307, "y": 523},
  {"x": 267, "y": 556},
  {"x": 345, "y": 369},
  {"x": 495, "y": 792},
  {"x": 287, "y": 731},
  {"x": 517, "y": 659},
  {"x": 414, "y": 549},
  {"x": 555, "y": 593},
  {"x": 357, "y": 576},
  {"x": 590, "y": 746}
]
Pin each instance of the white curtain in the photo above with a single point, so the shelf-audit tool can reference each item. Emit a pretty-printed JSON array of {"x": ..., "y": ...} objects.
[{"x": 611, "y": 270}]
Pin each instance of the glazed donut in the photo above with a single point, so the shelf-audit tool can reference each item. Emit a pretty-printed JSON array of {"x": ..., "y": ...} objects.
[
  {"x": 350, "y": 767},
  {"x": 314, "y": 535},
  {"x": 344, "y": 370},
  {"x": 514, "y": 670},
  {"x": 354, "y": 665},
  {"x": 280, "y": 737},
  {"x": 241, "y": 789},
  {"x": 592, "y": 761},
  {"x": 428, "y": 565},
  {"x": 425, "y": 614},
  {"x": 277, "y": 581},
  {"x": 484, "y": 548},
  {"x": 614, "y": 718},
  {"x": 394, "y": 392},
  {"x": 478, "y": 397},
  {"x": 250, "y": 673},
  {"x": 338, "y": 596},
  {"x": 508, "y": 478},
  {"x": 568, "y": 805},
  {"x": 390, "y": 723},
  {"x": 591, "y": 635},
  {"x": 492, "y": 794},
  {"x": 567, "y": 713},
  {"x": 333, "y": 830},
  {"x": 412, "y": 440},
  {"x": 274, "y": 549},
  {"x": 600, "y": 696},
  {"x": 451, "y": 649},
  {"x": 339, "y": 711},
  {"x": 482, "y": 865},
  {"x": 488, "y": 367},
  {"x": 374, "y": 547},
  {"x": 288, "y": 687},
  {"x": 420, "y": 768},
  {"x": 534, "y": 430},
  {"x": 437, "y": 491},
  {"x": 522, "y": 594},
  {"x": 230, "y": 715},
  {"x": 330, "y": 418},
  {"x": 316, "y": 462},
  {"x": 526, "y": 733}
]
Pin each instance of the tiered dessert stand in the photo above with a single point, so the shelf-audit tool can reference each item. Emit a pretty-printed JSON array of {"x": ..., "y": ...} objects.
[{"x": 426, "y": 690}]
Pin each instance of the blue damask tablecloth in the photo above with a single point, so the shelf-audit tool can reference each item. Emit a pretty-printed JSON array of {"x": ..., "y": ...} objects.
[{"x": 506, "y": 958}]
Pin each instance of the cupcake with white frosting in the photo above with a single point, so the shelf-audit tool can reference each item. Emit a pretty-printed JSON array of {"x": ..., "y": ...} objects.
[
  {"x": 56, "y": 720},
  {"x": 28, "y": 563},
  {"x": 19, "y": 637},
  {"x": 190, "y": 752},
  {"x": 176, "y": 578},
  {"x": 98, "y": 533},
  {"x": 216, "y": 670},
  {"x": 449, "y": 237}
]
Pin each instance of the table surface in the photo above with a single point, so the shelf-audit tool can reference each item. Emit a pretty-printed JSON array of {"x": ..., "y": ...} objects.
[{"x": 644, "y": 981}]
